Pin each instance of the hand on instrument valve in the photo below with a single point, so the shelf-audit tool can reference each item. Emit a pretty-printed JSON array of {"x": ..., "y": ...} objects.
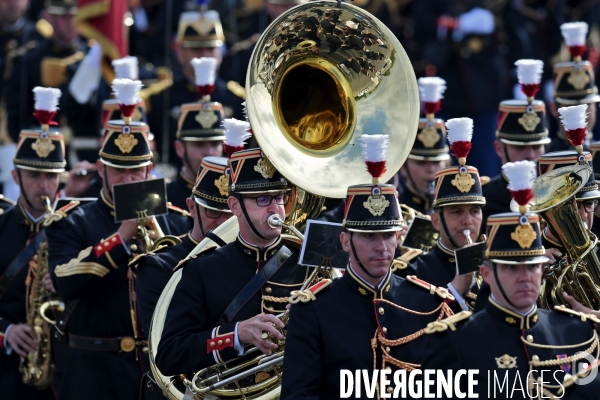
[
  {"x": 581, "y": 308},
  {"x": 128, "y": 229},
  {"x": 553, "y": 256},
  {"x": 462, "y": 283},
  {"x": 48, "y": 284},
  {"x": 251, "y": 331},
  {"x": 22, "y": 339}
]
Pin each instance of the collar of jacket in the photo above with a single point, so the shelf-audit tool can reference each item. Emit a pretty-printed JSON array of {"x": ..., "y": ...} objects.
[
  {"x": 105, "y": 204},
  {"x": 186, "y": 180},
  {"x": 25, "y": 220},
  {"x": 256, "y": 253},
  {"x": 423, "y": 197},
  {"x": 444, "y": 254},
  {"x": 362, "y": 289},
  {"x": 511, "y": 318}
]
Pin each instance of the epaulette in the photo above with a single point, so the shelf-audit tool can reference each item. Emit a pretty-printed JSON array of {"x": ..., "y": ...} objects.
[
  {"x": 484, "y": 180},
  {"x": 306, "y": 295},
  {"x": 403, "y": 261},
  {"x": 192, "y": 257},
  {"x": 440, "y": 291},
  {"x": 59, "y": 214},
  {"x": 44, "y": 28},
  {"x": 584, "y": 317},
  {"x": 7, "y": 200},
  {"x": 236, "y": 89},
  {"x": 181, "y": 211},
  {"x": 441, "y": 326}
]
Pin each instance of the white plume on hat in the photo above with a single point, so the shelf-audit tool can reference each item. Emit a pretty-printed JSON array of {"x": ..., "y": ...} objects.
[
  {"x": 431, "y": 89},
  {"x": 46, "y": 98},
  {"x": 529, "y": 72},
  {"x": 205, "y": 70},
  {"x": 520, "y": 174},
  {"x": 374, "y": 147},
  {"x": 574, "y": 33},
  {"x": 236, "y": 132},
  {"x": 127, "y": 91},
  {"x": 459, "y": 129},
  {"x": 573, "y": 117},
  {"x": 126, "y": 68}
]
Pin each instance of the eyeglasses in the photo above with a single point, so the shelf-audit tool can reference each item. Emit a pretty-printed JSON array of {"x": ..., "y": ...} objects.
[
  {"x": 590, "y": 205},
  {"x": 213, "y": 214},
  {"x": 265, "y": 200}
]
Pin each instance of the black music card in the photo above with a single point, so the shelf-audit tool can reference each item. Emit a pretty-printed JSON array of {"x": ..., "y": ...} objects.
[
  {"x": 322, "y": 246},
  {"x": 140, "y": 199}
]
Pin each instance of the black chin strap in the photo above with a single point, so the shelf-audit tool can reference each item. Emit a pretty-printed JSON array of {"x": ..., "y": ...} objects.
[
  {"x": 358, "y": 260},
  {"x": 197, "y": 207},
  {"x": 243, "y": 207},
  {"x": 443, "y": 220},
  {"x": 23, "y": 190},
  {"x": 505, "y": 152},
  {"x": 500, "y": 286},
  {"x": 186, "y": 162}
]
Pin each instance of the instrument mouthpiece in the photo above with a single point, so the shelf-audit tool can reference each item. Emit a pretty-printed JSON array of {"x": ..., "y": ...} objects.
[
  {"x": 467, "y": 233},
  {"x": 275, "y": 221}
]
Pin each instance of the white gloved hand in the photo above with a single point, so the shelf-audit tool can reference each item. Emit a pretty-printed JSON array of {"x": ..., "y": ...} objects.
[
  {"x": 478, "y": 21},
  {"x": 87, "y": 78}
]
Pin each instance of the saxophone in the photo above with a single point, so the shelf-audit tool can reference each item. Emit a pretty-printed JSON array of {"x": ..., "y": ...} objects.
[{"x": 42, "y": 310}]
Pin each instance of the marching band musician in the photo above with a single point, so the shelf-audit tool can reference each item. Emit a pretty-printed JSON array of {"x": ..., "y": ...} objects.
[
  {"x": 212, "y": 314},
  {"x": 380, "y": 303},
  {"x": 39, "y": 160},
  {"x": 457, "y": 203},
  {"x": 199, "y": 133},
  {"x": 521, "y": 134},
  {"x": 535, "y": 352},
  {"x": 429, "y": 153},
  {"x": 89, "y": 254}
]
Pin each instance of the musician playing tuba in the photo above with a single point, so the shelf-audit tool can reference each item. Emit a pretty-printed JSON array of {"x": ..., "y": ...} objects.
[
  {"x": 39, "y": 160},
  {"x": 89, "y": 254}
]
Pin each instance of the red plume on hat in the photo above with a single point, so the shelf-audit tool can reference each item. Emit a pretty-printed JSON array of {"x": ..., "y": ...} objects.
[
  {"x": 460, "y": 132},
  {"x": 374, "y": 150},
  {"x": 46, "y": 104},
  {"x": 529, "y": 73},
  {"x": 574, "y": 34},
  {"x": 574, "y": 121},
  {"x": 520, "y": 176},
  {"x": 205, "y": 71},
  {"x": 431, "y": 90},
  {"x": 236, "y": 133},
  {"x": 127, "y": 92}
]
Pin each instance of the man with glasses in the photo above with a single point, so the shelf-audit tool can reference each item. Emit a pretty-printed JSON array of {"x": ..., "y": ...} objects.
[{"x": 229, "y": 297}]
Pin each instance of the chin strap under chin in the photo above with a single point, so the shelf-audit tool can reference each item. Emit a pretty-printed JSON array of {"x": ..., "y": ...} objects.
[
  {"x": 23, "y": 193},
  {"x": 243, "y": 207},
  {"x": 500, "y": 286},
  {"x": 358, "y": 260},
  {"x": 445, "y": 227}
]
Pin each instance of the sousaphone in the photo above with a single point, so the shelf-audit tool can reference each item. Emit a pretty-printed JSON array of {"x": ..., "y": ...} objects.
[{"x": 320, "y": 76}]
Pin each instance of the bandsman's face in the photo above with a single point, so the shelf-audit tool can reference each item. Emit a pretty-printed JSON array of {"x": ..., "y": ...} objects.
[
  {"x": 36, "y": 184},
  {"x": 196, "y": 151},
  {"x": 586, "y": 210},
  {"x": 259, "y": 214},
  {"x": 117, "y": 176},
  {"x": 423, "y": 172},
  {"x": 374, "y": 250},
  {"x": 524, "y": 153},
  {"x": 520, "y": 282},
  {"x": 12, "y": 10},
  {"x": 458, "y": 219}
]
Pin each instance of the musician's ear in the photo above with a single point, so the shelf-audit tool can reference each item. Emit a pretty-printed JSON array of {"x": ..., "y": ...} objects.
[
  {"x": 234, "y": 205},
  {"x": 15, "y": 176}
]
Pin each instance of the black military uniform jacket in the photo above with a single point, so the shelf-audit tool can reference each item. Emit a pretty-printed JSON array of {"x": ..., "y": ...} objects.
[
  {"x": 437, "y": 267},
  {"x": 16, "y": 230},
  {"x": 208, "y": 284},
  {"x": 416, "y": 200},
  {"x": 335, "y": 331},
  {"x": 89, "y": 263},
  {"x": 180, "y": 189},
  {"x": 497, "y": 199},
  {"x": 153, "y": 271},
  {"x": 501, "y": 341}
]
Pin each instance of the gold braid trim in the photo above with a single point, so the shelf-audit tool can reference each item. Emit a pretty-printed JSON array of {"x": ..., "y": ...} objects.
[{"x": 274, "y": 299}]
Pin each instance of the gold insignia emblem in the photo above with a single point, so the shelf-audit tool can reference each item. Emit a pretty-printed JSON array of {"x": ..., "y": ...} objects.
[
  {"x": 529, "y": 121},
  {"x": 429, "y": 137},
  {"x": 511, "y": 320},
  {"x": 222, "y": 184},
  {"x": 362, "y": 291},
  {"x": 463, "y": 181},
  {"x": 506, "y": 362},
  {"x": 265, "y": 168},
  {"x": 206, "y": 118},
  {"x": 376, "y": 204},
  {"x": 578, "y": 79},
  {"x": 125, "y": 142},
  {"x": 535, "y": 318},
  {"x": 524, "y": 235},
  {"x": 43, "y": 146}
]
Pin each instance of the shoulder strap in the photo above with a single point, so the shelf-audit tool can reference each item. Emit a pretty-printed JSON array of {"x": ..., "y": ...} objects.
[
  {"x": 212, "y": 236},
  {"x": 255, "y": 284},
  {"x": 19, "y": 262}
]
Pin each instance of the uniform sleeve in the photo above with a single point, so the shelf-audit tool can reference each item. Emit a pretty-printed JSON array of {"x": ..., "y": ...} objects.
[
  {"x": 188, "y": 343},
  {"x": 77, "y": 266},
  {"x": 302, "y": 362},
  {"x": 151, "y": 278}
]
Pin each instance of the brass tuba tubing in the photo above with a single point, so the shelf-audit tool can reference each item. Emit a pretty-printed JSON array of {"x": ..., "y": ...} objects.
[{"x": 275, "y": 221}]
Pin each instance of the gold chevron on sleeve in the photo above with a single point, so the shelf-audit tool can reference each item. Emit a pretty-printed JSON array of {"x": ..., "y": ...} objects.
[{"x": 76, "y": 266}]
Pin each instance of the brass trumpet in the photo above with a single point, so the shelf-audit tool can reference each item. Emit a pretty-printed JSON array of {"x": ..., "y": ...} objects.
[{"x": 161, "y": 238}]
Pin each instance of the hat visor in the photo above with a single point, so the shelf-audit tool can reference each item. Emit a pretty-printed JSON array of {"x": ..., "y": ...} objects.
[
  {"x": 199, "y": 44},
  {"x": 250, "y": 191},
  {"x": 520, "y": 260},
  {"x": 440, "y": 157},
  {"x": 209, "y": 138},
  {"x": 41, "y": 169},
  {"x": 458, "y": 203},
  {"x": 368, "y": 229},
  {"x": 212, "y": 205},
  {"x": 592, "y": 194},
  {"x": 545, "y": 140},
  {"x": 125, "y": 166},
  {"x": 591, "y": 98}
]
